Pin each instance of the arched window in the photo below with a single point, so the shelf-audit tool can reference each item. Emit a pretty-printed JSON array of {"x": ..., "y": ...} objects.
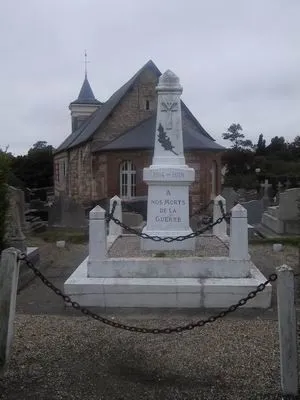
[{"x": 127, "y": 180}]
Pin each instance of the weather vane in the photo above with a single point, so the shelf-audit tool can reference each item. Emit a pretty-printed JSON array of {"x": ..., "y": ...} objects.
[{"x": 85, "y": 63}]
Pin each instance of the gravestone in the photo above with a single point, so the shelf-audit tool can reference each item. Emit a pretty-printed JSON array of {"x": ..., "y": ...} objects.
[
  {"x": 132, "y": 219},
  {"x": 168, "y": 177},
  {"x": 15, "y": 216},
  {"x": 288, "y": 205},
  {"x": 66, "y": 212},
  {"x": 284, "y": 218},
  {"x": 231, "y": 197},
  {"x": 267, "y": 193},
  {"x": 255, "y": 210}
]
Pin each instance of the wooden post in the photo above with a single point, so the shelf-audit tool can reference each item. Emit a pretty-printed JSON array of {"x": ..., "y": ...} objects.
[
  {"x": 9, "y": 274},
  {"x": 287, "y": 330}
]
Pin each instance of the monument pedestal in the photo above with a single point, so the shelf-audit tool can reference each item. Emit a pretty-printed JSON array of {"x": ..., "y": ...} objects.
[{"x": 168, "y": 207}]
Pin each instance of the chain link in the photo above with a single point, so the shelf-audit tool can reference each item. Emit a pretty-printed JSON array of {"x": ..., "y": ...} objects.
[
  {"x": 109, "y": 215},
  {"x": 168, "y": 239},
  {"x": 136, "y": 329},
  {"x": 225, "y": 215}
]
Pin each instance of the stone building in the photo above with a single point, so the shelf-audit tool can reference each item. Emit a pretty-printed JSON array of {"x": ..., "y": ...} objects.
[{"x": 111, "y": 143}]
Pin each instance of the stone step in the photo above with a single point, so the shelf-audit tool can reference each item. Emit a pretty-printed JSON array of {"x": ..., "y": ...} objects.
[
  {"x": 165, "y": 292},
  {"x": 273, "y": 210},
  {"x": 38, "y": 226},
  {"x": 272, "y": 223},
  {"x": 265, "y": 232}
]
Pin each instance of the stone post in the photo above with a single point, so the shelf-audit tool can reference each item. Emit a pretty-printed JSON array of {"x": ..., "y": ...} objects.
[
  {"x": 9, "y": 274},
  {"x": 114, "y": 229},
  {"x": 238, "y": 249},
  {"x": 97, "y": 239},
  {"x": 219, "y": 230},
  {"x": 287, "y": 330}
]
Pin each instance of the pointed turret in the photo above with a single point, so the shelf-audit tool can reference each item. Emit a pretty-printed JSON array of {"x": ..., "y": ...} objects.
[
  {"x": 84, "y": 105},
  {"x": 86, "y": 95}
]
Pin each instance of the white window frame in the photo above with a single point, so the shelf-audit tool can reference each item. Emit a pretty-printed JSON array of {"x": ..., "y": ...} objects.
[{"x": 127, "y": 180}]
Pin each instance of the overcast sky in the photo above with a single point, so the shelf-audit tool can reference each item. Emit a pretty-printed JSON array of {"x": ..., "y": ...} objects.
[{"x": 238, "y": 61}]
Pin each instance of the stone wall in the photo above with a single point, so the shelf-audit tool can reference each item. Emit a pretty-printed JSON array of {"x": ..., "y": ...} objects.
[
  {"x": 131, "y": 110},
  {"x": 60, "y": 173}
]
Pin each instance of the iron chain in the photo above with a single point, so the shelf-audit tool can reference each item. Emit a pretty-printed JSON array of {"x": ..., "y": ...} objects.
[
  {"x": 136, "y": 329},
  {"x": 167, "y": 239},
  {"x": 108, "y": 216}
]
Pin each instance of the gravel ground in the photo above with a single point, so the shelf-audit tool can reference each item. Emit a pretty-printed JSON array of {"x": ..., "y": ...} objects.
[
  {"x": 58, "y": 355},
  {"x": 76, "y": 358},
  {"x": 206, "y": 246}
]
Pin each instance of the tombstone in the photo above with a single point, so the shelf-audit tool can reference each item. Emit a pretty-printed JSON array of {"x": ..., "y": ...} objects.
[
  {"x": 168, "y": 178},
  {"x": 255, "y": 210},
  {"x": 280, "y": 187},
  {"x": 132, "y": 219},
  {"x": 289, "y": 206},
  {"x": 266, "y": 188},
  {"x": 288, "y": 184},
  {"x": 15, "y": 216},
  {"x": 231, "y": 197},
  {"x": 284, "y": 218},
  {"x": 65, "y": 212},
  {"x": 267, "y": 195}
]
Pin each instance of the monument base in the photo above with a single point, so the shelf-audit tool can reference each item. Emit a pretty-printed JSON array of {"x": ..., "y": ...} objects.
[
  {"x": 148, "y": 244},
  {"x": 150, "y": 292}
]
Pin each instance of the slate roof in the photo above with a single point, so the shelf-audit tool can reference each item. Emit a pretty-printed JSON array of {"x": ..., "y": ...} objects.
[
  {"x": 86, "y": 95},
  {"x": 142, "y": 137},
  {"x": 87, "y": 129}
]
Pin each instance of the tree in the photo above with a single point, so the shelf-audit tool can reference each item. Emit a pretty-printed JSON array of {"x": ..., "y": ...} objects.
[
  {"x": 36, "y": 168},
  {"x": 236, "y": 137},
  {"x": 39, "y": 145},
  {"x": 277, "y": 145},
  {"x": 261, "y": 145},
  {"x": 4, "y": 204}
]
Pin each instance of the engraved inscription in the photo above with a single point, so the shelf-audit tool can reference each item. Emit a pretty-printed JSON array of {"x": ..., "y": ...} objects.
[
  {"x": 169, "y": 174},
  {"x": 168, "y": 209}
]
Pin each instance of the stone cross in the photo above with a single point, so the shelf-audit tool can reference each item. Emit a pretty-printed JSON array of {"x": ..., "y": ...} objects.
[
  {"x": 265, "y": 186},
  {"x": 280, "y": 187},
  {"x": 288, "y": 184},
  {"x": 169, "y": 107}
]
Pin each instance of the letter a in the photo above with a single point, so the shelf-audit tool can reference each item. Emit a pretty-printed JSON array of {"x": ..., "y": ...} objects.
[{"x": 168, "y": 193}]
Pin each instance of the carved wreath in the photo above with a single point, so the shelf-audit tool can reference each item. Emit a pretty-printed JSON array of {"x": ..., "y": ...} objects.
[{"x": 164, "y": 140}]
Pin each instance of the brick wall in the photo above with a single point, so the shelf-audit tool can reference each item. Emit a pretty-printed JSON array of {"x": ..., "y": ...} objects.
[{"x": 200, "y": 190}]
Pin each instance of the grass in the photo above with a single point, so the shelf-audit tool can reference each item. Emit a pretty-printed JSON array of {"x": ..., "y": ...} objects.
[
  {"x": 69, "y": 235},
  {"x": 289, "y": 240}
]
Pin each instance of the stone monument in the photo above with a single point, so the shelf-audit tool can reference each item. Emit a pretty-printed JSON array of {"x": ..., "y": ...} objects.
[
  {"x": 168, "y": 177},
  {"x": 15, "y": 220}
]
